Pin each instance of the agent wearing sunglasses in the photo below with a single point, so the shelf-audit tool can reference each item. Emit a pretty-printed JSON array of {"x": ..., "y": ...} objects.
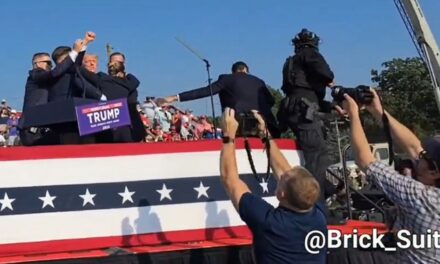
[
  {"x": 42, "y": 76},
  {"x": 417, "y": 198}
]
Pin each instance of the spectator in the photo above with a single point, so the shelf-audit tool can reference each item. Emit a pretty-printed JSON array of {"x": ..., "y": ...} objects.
[
  {"x": 3, "y": 103},
  {"x": 417, "y": 198},
  {"x": 149, "y": 108},
  {"x": 163, "y": 116},
  {"x": 185, "y": 131},
  {"x": 278, "y": 233},
  {"x": 177, "y": 120},
  {"x": 158, "y": 134},
  {"x": 4, "y": 116},
  {"x": 199, "y": 128},
  {"x": 174, "y": 135},
  {"x": 12, "y": 127},
  {"x": 208, "y": 131},
  {"x": 3, "y": 132}
]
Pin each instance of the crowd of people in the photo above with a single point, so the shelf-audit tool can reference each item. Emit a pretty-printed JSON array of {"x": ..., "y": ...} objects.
[
  {"x": 8, "y": 125},
  {"x": 168, "y": 123}
]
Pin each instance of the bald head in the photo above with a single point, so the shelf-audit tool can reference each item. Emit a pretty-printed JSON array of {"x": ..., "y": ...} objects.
[{"x": 90, "y": 62}]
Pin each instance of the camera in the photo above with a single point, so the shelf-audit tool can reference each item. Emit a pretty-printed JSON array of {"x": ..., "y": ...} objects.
[
  {"x": 361, "y": 94},
  {"x": 247, "y": 124},
  {"x": 149, "y": 98}
]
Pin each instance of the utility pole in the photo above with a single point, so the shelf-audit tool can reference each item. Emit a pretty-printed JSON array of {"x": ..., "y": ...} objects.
[
  {"x": 421, "y": 34},
  {"x": 337, "y": 123},
  {"x": 109, "y": 50}
]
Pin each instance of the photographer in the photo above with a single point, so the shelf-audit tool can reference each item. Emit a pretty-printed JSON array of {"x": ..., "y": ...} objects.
[
  {"x": 278, "y": 233},
  {"x": 305, "y": 77},
  {"x": 418, "y": 198},
  {"x": 240, "y": 91}
]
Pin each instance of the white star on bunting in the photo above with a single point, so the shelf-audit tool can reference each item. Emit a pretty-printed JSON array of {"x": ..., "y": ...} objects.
[
  {"x": 263, "y": 185},
  {"x": 47, "y": 200},
  {"x": 165, "y": 193},
  {"x": 126, "y": 195},
  {"x": 6, "y": 202},
  {"x": 201, "y": 190},
  {"x": 88, "y": 198}
]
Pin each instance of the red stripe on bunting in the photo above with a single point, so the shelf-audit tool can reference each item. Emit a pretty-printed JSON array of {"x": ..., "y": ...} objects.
[
  {"x": 130, "y": 241},
  {"x": 108, "y": 150}
]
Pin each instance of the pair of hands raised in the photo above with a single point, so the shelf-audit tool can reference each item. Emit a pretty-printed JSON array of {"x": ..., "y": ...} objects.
[
  {"x": 80, "y": 43},
  {"x": 351, "y": 108},
  {"x": 230, "y": 124}
]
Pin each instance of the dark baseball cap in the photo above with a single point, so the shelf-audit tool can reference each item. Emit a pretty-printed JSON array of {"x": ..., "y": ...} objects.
[{"x": 432, "y": 147}]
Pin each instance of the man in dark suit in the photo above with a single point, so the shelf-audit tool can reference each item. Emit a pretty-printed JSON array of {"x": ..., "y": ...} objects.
[
  {"x": 118, "y": 84},
  {"x": 240, "y": 91},
  {"x": 38, "y": 85},
  {"x": 70, "y": 84}
]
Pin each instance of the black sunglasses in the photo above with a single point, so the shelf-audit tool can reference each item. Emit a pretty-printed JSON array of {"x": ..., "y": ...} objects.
[
  {"x": 46, "y": 61},
  {"x": 432, "y": 165}
]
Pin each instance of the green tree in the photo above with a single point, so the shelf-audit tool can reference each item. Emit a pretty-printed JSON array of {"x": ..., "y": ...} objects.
[{"x": 406, "y": 91}]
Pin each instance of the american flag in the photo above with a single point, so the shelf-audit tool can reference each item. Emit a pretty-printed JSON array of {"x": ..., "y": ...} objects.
[{"x": 65, "y": 198}]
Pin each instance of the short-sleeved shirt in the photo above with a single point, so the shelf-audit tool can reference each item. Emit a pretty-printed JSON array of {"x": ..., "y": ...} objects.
[
  {"x": 418, "y": 208},
  {"x": 12, "y": 124},
  {"x": 279, "y": 233}
]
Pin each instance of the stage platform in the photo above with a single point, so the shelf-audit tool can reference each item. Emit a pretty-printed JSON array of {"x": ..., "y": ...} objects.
[{"x": 129, "y": 203}]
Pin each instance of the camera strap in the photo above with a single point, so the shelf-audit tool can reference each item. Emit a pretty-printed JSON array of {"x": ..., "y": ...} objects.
[
  {"x": 251, "y": 161},
  {"x": 386, "y": 127}
]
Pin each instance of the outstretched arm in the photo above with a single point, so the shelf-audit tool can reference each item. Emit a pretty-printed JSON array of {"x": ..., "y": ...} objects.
[
  {"x": 234, "y": 186},
  {"x": 400, "y": 133},
  {"x": 195, "y": 93}
]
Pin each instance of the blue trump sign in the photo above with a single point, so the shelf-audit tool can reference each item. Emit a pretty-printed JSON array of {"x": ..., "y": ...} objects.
[{"x": 96, "y": 117}]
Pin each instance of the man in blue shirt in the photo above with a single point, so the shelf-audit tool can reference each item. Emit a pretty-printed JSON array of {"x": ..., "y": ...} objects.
[
  {"x": 278, "y": 233},
  {"x": 12, "y": 127}
]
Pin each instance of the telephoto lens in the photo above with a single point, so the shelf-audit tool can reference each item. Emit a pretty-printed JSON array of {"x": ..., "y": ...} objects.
[{"x": 361, "y": 94}]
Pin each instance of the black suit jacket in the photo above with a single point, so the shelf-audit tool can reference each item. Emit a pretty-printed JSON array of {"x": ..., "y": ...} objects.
[
  {"x": 64, "y": 86},
  {"x": 113, "y": 87},
  {"x": 84, "y": 88},
  {"x": 240, "y": 91},
  {"x": 40, "y": 81}
]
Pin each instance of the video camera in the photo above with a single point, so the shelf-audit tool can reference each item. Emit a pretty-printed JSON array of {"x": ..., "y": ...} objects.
[
  {"x": 361, "y": 94},
  {"x": 247, "y": 124}
]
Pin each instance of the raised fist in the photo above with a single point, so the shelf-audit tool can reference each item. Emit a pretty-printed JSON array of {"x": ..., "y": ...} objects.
[{"x": 89, "y": 37}]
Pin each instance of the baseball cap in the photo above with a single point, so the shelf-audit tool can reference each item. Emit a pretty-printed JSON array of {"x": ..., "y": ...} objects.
[
  {"x": 13, "y": 111},
  {"x": 432, "y": 147}
]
